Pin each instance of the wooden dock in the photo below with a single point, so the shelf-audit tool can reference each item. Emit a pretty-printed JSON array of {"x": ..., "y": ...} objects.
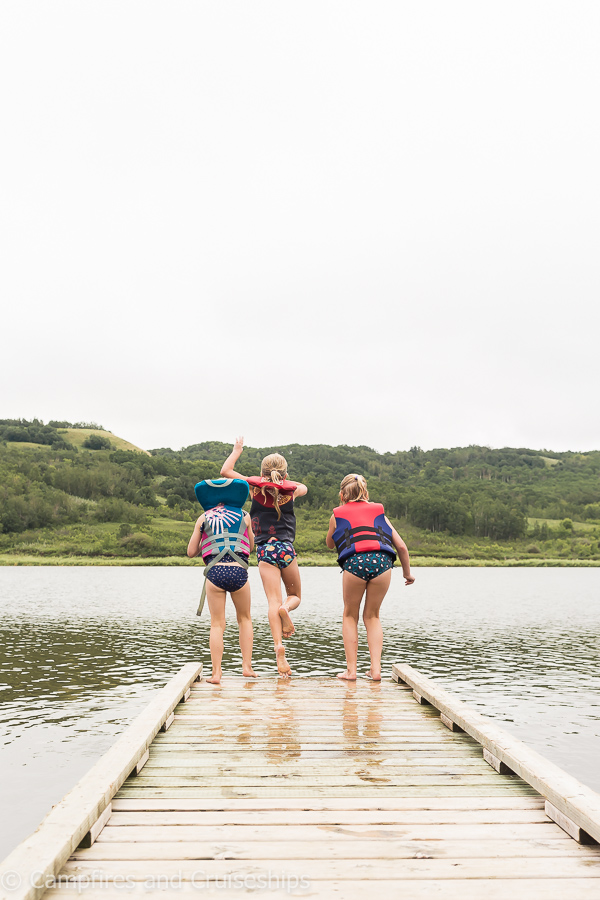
[{"x": 316, "y": 788}]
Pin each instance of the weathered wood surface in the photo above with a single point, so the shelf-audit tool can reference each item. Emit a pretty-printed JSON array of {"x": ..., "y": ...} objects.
[
  {"x": 334, "y": 789},
  {"x": 576, "y": 802},
  {"x": 75, "y": 818},
  {"x": 249, "y": 882}
]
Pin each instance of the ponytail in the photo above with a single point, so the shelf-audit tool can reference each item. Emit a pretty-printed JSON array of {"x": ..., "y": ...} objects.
[{"x": 274, "y": 468}]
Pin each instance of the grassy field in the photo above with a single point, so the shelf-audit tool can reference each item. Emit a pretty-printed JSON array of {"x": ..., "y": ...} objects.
[
  {"x": 13, "y": 559},
  {"x": 556, "y": 523},
  {"x": 77, "y": 436}
]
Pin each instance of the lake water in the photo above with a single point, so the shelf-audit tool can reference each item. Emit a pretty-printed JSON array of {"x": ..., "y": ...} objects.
[{"x": 83, "y": 649}]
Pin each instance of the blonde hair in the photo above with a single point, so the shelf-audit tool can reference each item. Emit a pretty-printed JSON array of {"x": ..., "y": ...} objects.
[
  {"x": 353, "y": 487},
  {"x": 274, "y": 469}
]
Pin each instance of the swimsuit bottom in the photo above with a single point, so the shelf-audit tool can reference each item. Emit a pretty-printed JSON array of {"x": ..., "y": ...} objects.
[
  {"x": 227, "y": 578},
  {"x": 368, "y": 565},
  {"x": 276, "y": 553}
]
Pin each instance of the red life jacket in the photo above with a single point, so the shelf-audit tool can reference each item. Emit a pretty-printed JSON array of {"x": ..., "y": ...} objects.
[{"x": 360, "y": 527}]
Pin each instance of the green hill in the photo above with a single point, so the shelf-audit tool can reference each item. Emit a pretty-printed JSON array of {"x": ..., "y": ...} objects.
[
  {"x": 61, "y": 500},
  {"x": 78, "y": 436}
]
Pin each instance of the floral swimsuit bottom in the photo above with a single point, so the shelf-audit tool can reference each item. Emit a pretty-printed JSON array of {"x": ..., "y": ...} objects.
[
  {"x": 368, "y": 565},
  {"x": 276, "y": 553}
]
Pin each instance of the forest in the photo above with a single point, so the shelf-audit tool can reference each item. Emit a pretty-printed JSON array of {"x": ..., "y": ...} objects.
[{"x": 64, "y": 497}]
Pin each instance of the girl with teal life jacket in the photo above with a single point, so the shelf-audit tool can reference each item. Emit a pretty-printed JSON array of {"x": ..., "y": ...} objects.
[
  {"x": 367, "y": 544},
  {"x": 274, "y": 527},
  {"x": 223, "y": 536}
]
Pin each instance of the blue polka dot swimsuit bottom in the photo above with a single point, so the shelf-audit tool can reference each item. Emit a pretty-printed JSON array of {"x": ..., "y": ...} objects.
[
  {"x": 227, "y": 578},
  {"x": 368, "y": 565}
]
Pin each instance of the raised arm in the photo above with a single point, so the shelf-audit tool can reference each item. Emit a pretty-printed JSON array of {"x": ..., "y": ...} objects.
[
  {"x": 329, "y": 536},
  {"x": 227, "y": 470},
  {"x": 402, "y": 551},
  {"x": 194, "y": 544},
  {"x": 301, "y": 490}
]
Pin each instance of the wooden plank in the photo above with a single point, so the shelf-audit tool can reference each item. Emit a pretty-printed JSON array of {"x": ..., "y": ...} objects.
[
  {"x": 89, "y": 838},
  {"x": 450, "y": 725},
  {"x": 65, "y": 826},
  {"x": 308, "y": 791},
  {"x": 571, "y": 828},
  {"x": 387, "y": 889},
  {"x": 496, "y": 763},
  {"x": 392, "y": 778},
  {"x": 410, "y": 832},
  {"x": 167, "y": 723},
  {"x": 326, "y": 848},
  {"x": 371, "y": 803},
  {"x": 325, "y": 758},
  {"x": 198, "y": 769},
  {"x": 420, "y": 699},
  {"x": 325, "y": 722},
  {"x": 326, "y": 741},
  {"x": 331, "y": 817},
  {"x": 274, "y": 748},
  {"x": 341, "y": 870},
  {"x": 141, "y": 763},
  {"x": 576, "y": 801},
  {"x": 330, "y": 728}
]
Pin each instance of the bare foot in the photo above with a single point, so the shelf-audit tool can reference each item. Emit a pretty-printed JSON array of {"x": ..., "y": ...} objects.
[
  {"x": 215, "y": 678},
  {"x": 347, "y": 676},
  {"x": 374, "y": 676},
  {"x": 248, "y": 672},
  {"x": 283, "y": 666},
  {"x": 286, "y": 622}
]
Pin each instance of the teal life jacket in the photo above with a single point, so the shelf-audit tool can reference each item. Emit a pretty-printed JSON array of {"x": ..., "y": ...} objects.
[{"x": 224, "y": 531}]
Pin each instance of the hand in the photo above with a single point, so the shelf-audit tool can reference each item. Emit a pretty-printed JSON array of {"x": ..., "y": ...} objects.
[
  {"x": 239, "y": 444},
  {"x": 410, "y": 579}
]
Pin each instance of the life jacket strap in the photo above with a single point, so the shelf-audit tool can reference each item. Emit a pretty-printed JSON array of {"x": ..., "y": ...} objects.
[
  {"x": 232, "y": 544},
  {"x": 362, "y": 533}
]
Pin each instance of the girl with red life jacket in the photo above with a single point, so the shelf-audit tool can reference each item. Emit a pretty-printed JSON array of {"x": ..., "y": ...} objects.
[
  {"x": 367, "y": 544},
  {"x": 274, "y": 527}
]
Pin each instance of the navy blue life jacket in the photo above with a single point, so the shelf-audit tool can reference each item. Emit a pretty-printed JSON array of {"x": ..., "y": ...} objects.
[{"x": 360, "y": 527}]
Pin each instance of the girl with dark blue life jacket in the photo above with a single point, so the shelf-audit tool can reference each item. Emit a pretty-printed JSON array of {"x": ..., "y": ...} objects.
[
  {"x": 223, "y": 535},
  {"x": 274, "y": 526},
  {"x": 367, "y": 544}
]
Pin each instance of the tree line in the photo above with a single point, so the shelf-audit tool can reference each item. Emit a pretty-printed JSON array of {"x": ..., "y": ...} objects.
[{"x": 474, "y": 490}]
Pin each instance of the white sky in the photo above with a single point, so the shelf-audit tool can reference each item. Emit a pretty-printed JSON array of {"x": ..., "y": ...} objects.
[{"x": 342, "y": 222}]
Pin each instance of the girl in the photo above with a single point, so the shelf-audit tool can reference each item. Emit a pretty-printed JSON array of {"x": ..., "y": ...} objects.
[
  {"x": 366, "y": 543},
  {"x": 274, "y": 525},
  {"x": 225, "y": 575}
]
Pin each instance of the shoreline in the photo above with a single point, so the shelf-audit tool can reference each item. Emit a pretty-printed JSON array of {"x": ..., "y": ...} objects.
[{"x": 305, "y": 561}]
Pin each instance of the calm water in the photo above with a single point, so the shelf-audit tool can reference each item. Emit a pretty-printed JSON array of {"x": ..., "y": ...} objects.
[{"x": 82, "y": 650}]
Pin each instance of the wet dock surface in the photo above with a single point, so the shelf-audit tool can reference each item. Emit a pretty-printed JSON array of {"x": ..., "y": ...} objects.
[{"x": 321, "y": 788}]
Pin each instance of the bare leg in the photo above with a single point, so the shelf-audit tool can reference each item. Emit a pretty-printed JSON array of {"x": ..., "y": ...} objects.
[
  {"x": 241, "y": 601},
  {"x": 271, "y": 579},
  {"x": 216, "y": 604},
  {"x": 353, "y": 589},
  {"x": 377, "y": 588},
  {"x": 291, "y": 579}
]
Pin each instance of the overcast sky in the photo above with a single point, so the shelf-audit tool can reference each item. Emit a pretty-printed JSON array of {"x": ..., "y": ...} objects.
[{"x": 342, "y": 222}]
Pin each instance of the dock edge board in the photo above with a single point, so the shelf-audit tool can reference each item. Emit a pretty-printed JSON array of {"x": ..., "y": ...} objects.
[
  {"x": 579, "y": 804},
  {"x": 41, "y": 856}
]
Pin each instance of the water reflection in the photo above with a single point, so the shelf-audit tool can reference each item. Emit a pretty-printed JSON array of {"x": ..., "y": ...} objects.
[{"x": 81, "y": 651}]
